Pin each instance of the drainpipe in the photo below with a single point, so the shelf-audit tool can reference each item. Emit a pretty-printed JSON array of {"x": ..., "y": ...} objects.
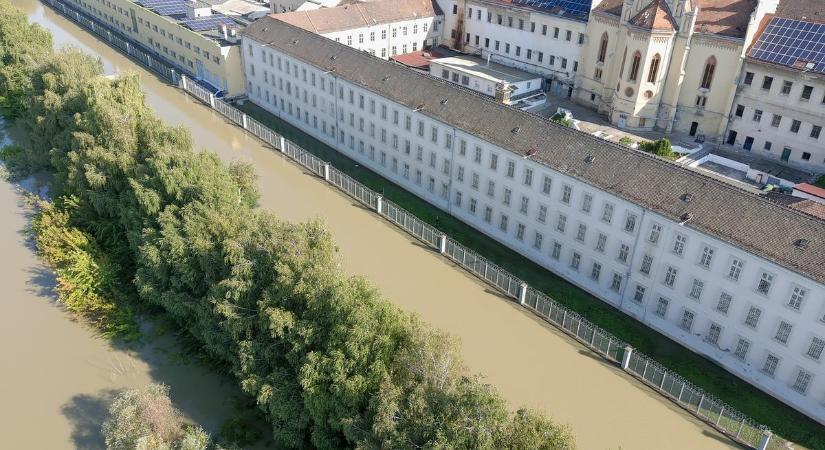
[{"x": 632, "y": 258}]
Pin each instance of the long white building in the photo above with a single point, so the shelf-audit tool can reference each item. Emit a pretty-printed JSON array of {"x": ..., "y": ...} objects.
[
  {"x": 725, "y": 272},
  {"x": 382, "y": 28}
]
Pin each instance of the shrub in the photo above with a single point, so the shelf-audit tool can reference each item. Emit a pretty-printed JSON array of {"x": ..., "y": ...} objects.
[
  {"x": 660, "y": 147},
  {"x": 626, "y": 141}
]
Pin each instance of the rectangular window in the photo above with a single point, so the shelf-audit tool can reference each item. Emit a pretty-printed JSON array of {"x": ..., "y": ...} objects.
[
  {"x": 797, "y": 296},
  {"x": 707, "y": 257},
  {"x": 556, "y": 254},
  {"x": 786, "y": 87},
  {"x": 511, "y": 169},
  {"x": 507, "y": 194},
  {"x": 724, "y": 303},
  {"x": 488, "y": 214},
  {"x": 630, "y": 223},
  {"x": 803, "y": 379},
  {"x": 546, "y": 184},
  {"x": 752, "y": 319},
  {"x": 565, "y": 195},
  {"x": 655, "y": 232},
  {"x": 575, "y": 260},
  {"x": 713, "y": 334},
  {"x": 477, "y": 155},
  {"x": 687, "y": 320},
  {"x": 767, "y": 82},
  {"x": 607, "y": 212},
  {"x": 679, "y": 244},
  {"x": 647, "y": 263},
  {"x": 616, "y": 284},
  {"x": 491, "y": 188},
  {"x": 473, "y": 205},
  {"x": 561, "y": 224},
  {"x": 661, "y": 307},
  {"x": 587, "y": 202},
  {"x": 670, "y": 276},
  {"x": 503, "y": 223},
  {"x": 537, "y": 240},
  {"x": 600, "y": 243},
  {"x": 596, "y": 271},
  {"x": 757, "y": 115},
  {"x": 765, "y": 282},
  {"x": 542, "y": 214},
  {"x": 816, "y": 348},
  {"x": 525, "y": 202},
  {"x": 528, "y": 176},
  {"x": 639, "y": 294},
  {"x": 776, "y": 120},
  {"x": 783, "y": 332},
  {"x": 748, "y": 78},
  {"x": 624, "y": 251},
  {"x": 795, "y": 125},
  {"x": 816, "y": 130},
  {"x": 769, "y": 367},
  {"x": 806, "y": 93},
  {"x": 520, "y": 232},
  {"x": 735, "y": 269},
  {"x": 742, "y": 347},
  {"x": 581, "y": 233},
  {"x": 493, "y": 162},
  {"x": 696, "y": 289}
]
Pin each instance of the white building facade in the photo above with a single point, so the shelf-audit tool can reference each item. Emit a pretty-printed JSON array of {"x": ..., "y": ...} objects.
[
  {"x": 382, "y": 28},
  {"x": 530, "y": 39},
  {"x": 495, "y": 80},
  {"x": 650, "y": 258},
  {"x": 779, "y": 108}
]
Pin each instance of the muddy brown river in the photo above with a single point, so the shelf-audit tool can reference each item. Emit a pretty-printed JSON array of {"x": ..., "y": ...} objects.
[{"x": 56, "y": 374}]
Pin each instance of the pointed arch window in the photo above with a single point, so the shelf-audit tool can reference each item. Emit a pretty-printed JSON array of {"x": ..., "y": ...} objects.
[
  {"x": 603, "y": 48},
  {"x": 707, "y": 74},
  {"x": 634, "y": 66},
  {"x": 654, "y": 68}
]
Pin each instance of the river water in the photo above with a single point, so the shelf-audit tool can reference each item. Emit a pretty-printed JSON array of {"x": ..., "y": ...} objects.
[{"x": 531, "y": 363}]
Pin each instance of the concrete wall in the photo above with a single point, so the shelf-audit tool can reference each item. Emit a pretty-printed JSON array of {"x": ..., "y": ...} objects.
[{"x": 588, "y": 236}]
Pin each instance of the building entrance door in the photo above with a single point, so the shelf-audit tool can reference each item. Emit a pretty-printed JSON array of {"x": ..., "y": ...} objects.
[
  {"x": 786, "y": 154},
  {"x": 694, "y": 127},
  {"x": 731, "y": 137},
  {"x": 748, "y": 143}
]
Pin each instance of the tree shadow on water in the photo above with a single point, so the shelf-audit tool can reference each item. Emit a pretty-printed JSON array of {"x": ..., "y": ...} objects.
[{"x": 86, "y": 413}]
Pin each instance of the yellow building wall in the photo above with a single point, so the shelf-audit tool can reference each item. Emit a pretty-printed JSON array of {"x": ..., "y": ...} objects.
[{"x": 189, "y": 50}]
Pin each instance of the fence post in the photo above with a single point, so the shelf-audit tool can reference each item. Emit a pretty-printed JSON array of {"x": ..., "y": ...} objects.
[
  {"x": 281, "y": 144},
  {"x": 128, "y": 48},
  {"x": 442, "y": 243},
  {"x": 243, "y": 122},
  {"x": 173, "y": 73},
  {"x": 522, "y": 294},
  {"x": 378, "y": 203},
  {"x": 183, "y": 81},
  {"x": 628, "y": 350},
  {"x": 326, "y": 164},
  {"x": 212, "y": 101},
  {"x": 766, "y": 439},
  {"x": 720, "y": 415}
]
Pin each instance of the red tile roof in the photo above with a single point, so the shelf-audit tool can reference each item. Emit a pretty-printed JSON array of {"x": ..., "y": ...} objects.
[
  {"x": 725, "y": 17},
  {"x": 810, "y": 189},
  {"x": 655, "y": 16}
]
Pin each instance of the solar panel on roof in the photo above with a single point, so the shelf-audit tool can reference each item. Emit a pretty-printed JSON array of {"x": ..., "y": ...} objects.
[
  {"x": 573, "y": 7},
  {"x": 793, "y": 43},
  {"x": 207, "y": 23},
  {"x": 170, "y": 10}
]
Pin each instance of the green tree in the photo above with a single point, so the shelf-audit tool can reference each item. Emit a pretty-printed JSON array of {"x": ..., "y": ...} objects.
[{"x": 23, "y": 47}]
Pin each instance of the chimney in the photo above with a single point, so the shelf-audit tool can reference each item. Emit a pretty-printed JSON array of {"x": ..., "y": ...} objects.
[{"x": 225, "y": 32}]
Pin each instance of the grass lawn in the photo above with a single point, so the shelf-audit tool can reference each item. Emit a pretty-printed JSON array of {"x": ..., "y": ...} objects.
[{"x": 782, "y": 419}]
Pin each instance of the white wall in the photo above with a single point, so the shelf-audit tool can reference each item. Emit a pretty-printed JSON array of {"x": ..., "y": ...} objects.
[
  {"x": 390, "y": 39},
  {"x": 443, "y": 164}
]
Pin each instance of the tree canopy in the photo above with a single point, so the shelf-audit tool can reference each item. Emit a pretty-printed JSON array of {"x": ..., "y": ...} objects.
[{"x": 331, "y": 362}]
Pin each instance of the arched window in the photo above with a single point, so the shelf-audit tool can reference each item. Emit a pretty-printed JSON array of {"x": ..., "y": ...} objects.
[
  {"x": 634, "y": 67},
  {"x": 654, "y": 68},
  {"x": 707, "y": 75},
  {"x": 603, "y": 48}
]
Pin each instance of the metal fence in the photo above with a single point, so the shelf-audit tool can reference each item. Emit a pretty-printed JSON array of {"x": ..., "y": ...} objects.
[{"x": 709, "y": 409}]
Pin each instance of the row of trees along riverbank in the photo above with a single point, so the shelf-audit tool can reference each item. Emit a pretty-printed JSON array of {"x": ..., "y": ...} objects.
[{"x": 331, "y": 363}]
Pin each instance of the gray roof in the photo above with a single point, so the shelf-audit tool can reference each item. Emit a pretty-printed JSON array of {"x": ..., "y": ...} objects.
[{"x": 740, "y": 218}]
